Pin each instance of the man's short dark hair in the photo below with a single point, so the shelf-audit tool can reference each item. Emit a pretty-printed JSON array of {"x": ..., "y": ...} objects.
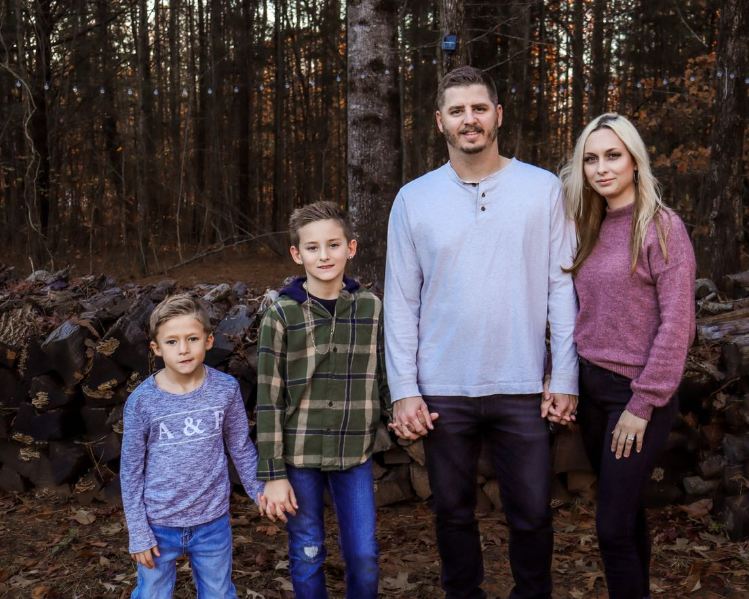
[
  {"x": 311, "y": 213},
  {"x": 463, "y": 77}
]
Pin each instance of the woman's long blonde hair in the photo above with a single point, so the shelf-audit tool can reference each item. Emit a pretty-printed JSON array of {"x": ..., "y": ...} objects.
[{"x": 588, "y": 208}]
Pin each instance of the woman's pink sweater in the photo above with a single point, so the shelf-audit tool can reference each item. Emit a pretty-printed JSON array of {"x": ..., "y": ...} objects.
[{"x": 638, "y": 324}]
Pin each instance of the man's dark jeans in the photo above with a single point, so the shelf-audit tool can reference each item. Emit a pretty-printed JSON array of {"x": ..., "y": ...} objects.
[
  {"x": 620, "y": 516},
  {"x": 518, "y": 439}
]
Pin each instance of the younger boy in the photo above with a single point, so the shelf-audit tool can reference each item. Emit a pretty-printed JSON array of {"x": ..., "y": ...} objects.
[
  {"x": 321, "y": 391},
  {"x": 174, "y": 475}
]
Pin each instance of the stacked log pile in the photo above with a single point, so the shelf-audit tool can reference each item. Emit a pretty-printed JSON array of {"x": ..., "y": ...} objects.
[
  {"x": 715, "y": 404},
  {"x": 71, "y": 350},
  {"x": 70, "y": 354}
]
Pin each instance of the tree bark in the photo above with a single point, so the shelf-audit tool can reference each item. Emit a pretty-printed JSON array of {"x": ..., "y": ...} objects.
[
  {"x": 578, "y": 69},
  {"x": 39, "y": 120},
  {"x": 452, "y": 22},
  {"x": 146, "y": 145},
  {"x": 373, "y": 115},
  {"x": 720, "y": 233},
  {"x": 600, "y": 76},
  {"x": 278, "y": 213}
]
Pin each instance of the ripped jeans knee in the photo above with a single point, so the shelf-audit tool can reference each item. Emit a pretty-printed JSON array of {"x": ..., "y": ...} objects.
[
  {"x": 307, "y": 552},
  {"x": 312, "y": 552},
  {"x": 306, "y": 560}
]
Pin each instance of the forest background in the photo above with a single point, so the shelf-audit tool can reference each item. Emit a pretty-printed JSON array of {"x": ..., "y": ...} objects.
[
  {"x": 138, "y": 135},
  {"x": 154, "y": 131}
]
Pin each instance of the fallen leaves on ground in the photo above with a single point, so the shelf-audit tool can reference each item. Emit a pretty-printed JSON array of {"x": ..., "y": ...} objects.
[{"x": 54, "y": 549}]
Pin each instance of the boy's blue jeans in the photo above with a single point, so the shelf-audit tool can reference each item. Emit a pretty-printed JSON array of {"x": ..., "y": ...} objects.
[
  {"x": 352, "y": 492},
  {"x": 208, "y": 546}
]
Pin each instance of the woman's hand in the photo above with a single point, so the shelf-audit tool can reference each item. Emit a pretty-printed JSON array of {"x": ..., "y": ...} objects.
[{"x": 629, "y": 431}]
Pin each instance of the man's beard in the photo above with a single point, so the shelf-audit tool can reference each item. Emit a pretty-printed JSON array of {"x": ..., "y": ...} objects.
[{"x": 454, "y": 140}]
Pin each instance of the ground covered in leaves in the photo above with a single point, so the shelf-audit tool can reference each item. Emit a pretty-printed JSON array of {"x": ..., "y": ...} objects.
[{"x": 53, "y": 548}]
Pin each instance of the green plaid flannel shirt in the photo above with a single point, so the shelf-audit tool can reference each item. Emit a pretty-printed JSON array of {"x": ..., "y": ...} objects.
[{"x": 320, "y": 410}]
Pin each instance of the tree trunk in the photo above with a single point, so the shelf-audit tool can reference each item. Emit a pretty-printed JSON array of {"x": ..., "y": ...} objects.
[
  {"x": 39, "y": 121},
  {"x": 718, "y": 238},
  {"x": 578, "y": 70},
  {"x": 146, "y": 146},
  {"x": 242, "y": 207},
  {"x": 374, "y": 152},
  {"x": 452, "y": 22},
  {"x": 542, "y": 116},
  {"x": 278, "y": 213},
  {"x": 600, "y": 75},
  {"x": 112, "y": 149}
]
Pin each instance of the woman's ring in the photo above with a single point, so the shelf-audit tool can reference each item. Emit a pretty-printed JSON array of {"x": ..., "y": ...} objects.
[{"x": 630, "y": 437}]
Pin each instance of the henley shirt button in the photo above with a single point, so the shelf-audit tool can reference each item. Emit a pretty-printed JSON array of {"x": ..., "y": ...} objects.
[
  {"x": 335, "y": 350},
  {"x": 330, "y": 404},
  {"x": 483, "y": 195},
  {"x": 483, "y": 208}
]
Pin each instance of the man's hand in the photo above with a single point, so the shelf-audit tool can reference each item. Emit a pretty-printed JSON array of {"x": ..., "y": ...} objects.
[
  {"x": 145, "y": 558},
  {"x": 279, "y": 497},
  {"x": 628, "y": 430},
  {"x": 411, "y": 418},
  {"x": 560, "y": 408}
]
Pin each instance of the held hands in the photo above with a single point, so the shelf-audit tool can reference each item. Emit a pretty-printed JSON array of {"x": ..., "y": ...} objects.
[
  {"x": 411, "y": 418},
  {"x": 629, "y": 430},
  {"x": 145, "y": 558},
  {"x": 559, "y": 408},
  {"x": 277, "y": 499}
]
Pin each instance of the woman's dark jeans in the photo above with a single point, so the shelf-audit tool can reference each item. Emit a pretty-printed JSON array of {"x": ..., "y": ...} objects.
[
  {"x": 620, "y": 515},
  {"x": 518, "y": 439}
]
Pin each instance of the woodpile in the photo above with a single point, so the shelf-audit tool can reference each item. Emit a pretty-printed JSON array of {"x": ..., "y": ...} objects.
[
  {"x": 71, "y": 350},
  {"x": 715, "y": 404}
]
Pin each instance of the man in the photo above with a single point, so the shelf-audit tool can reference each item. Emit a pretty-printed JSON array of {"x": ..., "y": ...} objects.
[{"x": 474, "y": 273}]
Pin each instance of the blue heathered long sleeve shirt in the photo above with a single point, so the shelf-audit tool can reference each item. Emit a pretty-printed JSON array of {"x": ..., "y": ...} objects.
[
  {"x": 173, "y": 469},
  {"x": 474, "y": 272}
]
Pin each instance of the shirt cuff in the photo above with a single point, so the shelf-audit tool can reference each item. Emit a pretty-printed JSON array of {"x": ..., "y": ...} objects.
[
  {"x": 274, "y": 469},
  {"x": 640, "y": 407},
  {"x": 258, "y": 489},
  {"x": 401, "y": 390},
  {"x": 564, "y": 382},
  {"x": 141, "y": 542}
]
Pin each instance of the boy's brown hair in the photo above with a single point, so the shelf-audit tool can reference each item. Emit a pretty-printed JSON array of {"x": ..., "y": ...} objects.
[
  {"x": 463, "y": 77},
  {"x": 311, "y": 213},
  {"x": 174, "y": 306}
]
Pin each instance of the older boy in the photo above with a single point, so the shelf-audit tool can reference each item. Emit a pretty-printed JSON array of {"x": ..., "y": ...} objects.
[
  {"x": 474, "y": 273},
  {"x": 321, "y": 390},
  {"x": 175, "y": 482}
]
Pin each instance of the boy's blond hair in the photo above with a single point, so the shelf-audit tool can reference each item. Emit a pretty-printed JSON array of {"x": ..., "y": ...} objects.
[
  {"x": 174, "y": 306},
  {"x": 311, "y": 213}
]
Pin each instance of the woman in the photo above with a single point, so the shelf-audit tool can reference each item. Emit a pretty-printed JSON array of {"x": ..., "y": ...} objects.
[{"x": 634, "y": 274}]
